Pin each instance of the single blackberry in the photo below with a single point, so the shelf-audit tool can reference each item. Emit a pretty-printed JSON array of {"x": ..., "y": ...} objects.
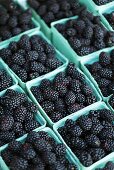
[
  {"x": 80, "y": 98},
  {"x": 99, "y": 44},
  {"x": 86, "y": 159},
  {"x": 106, "y": 73},
  {"x": 108, "y": 145},
  {"x": 27, "y": 151},
  {"x": 17, "y": 127},
  {"x": 19, "y": 163},
  {"x": 33, "y": 75},
  {"x": 70, "y": 98},
  {"x": 20, "y": 113},
  {"x": 104, "y": 59},
  {"x": 111, "y": 101},
  {"x": 95, "y": 67},
  {"x": 53, "y": 63},
  {"x": 34, "y": 4},
  {"x": 31, "y": 107},
  {"x": 93, "y": 140},
  {"x": 44, "y": 135},
  {"x": 84, "y": 51},
  {"x": 74, "y": 108},
  {"x": 24, "y": 43},
  {"x": 76, "y": 131},
  {"x": 75, "y": 86},
  {"x": 85, "y": 122},
  {"x": 96, "y": 126},
  {"x": 106, "y": 133},
  {"x": 59, "y": 105},
  {"x": 71, "y": 32},
  {"x": 15, "y": 146},
  {"x": 56, "y": 116},
  {"x": 48, "y": 106},
  {"x": 6, "y": 122},
  {"x": 22, "y": 74},
  {"x": 42, "y": 57},
  {"x": 32, "y": 55},
  {"x": 37, "y": 67},
  {"x": 75, "y": 43},
  {"x": 103, "y": 82},
  {"x": 7, "y": 136},
  {"x": 69, "y": 124},
  {"x": 31, "y": 125},
  {"x": 78, "y": 143},
  {"x": 45, "y": 83},
  {"x": 107, "y": 115},
  {"x": 86, "y": 90},
  {"x": 5, "y": 53},
  {"x": 32, "y": 136},
  {"x": 61, "y": 89},
  {"x": 12, "y": 22},
  {"x": 94, "y": 113},
  {"x": 60, "y": 149},
  {"x": 88, "y": 32},
  {"x": 7, "y": 156},
  {"x": 85, "y": 41},
  {"x": 109, "y": 165},
  {"x": 16, "y": 31},
  {"x": 37, "y": 93},
  {"x": 49, "y": 158},
  {"x": 50, "y": 94},
  {"x": 97, "y": 154},
  {"x": 42, "y": 146},
  {"x": 25, "y": 18}
]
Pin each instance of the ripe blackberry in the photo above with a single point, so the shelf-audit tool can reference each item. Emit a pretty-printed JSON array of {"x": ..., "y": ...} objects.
[
  {"x": 88, "y": 32},
  {"x": 86, "y": 90},
  {"x": 96, "y": 126},
  {"x": 24, "y": 43},
  {"x": 86, "y": 159},
  {"x": 111, "y": 101},
  {"x": 33, "y": 75},
  {"x": 6, "y": 122},
  {"x": 85, "y": 41},
  {"x": 42, "y": 57},
  {"x": 17, "y": 127},
  {"x": 37, "y": 67},
  {"x": 12, "y": 22},
  {"x": 42, "y": 146},
  {"x": 84, "y": 51},
  {"x": 103, "y": 82},
  {"x": 75, "y": 85},
  {"x": 53, "y": 63},
  {"x": 107, "y": 115},
  {"x": 94, "y": 113},
  {"x": 31, "y": 125},
  {"x": 20, "y": 113},
  {"x": 50, "y": 94},
  {"x": 27, "y": 152},
  {"x": 104, "y": 59},
  {"x": 106, "y": 133},
  {"x": 102, "y": 2},
  {"x": 44, "y": 84},
  {"x": 106, "y": 73},
  {"x": 22, "y": 74},
  {"x": 31, "y": 106},
  {"x": 85, "y": 122},
  {"x": 76, "y": 131},
  {"x": 50, "y": 158},
  {"x": 75, "y": 43},
  {"x": 69, "y": 123},
  {"x": 32, "y": 55},
  {"x": 71, "y": 32},
  {"x": 60, "y": 149},
  {"x": 5, "y": 53},
  {"x": 59, "y": 105},
  {"x": 70, "y": 98},
  {"x": 16, "y": 31},
  {"x": 109, "y": 165},
  {"x": 6, "y": 35},
  {"x": 93, "y": 140},
  {"x": 74, "y": 108},
  {"x": 60, "y": 88},
  {"x": 7, "y": 136},
  {"x": 32, "y": 136},
  {"x": 19, "y": 163},
  {"x": 97, "y": 154},
  {"x": 99, "y": 44},
  {"x": 13, "y": 46},
  {"x": 15, "y": 146},
  {"x": 108, "y": 145},
  {"x": 34, "y": 4},
  {"x": 37, "y": 93},
  {"x": 80, "y": 98},
  {"x": 7, "y": 156},
  {"x": 48, "y": 106},
  {"x": 56, "y": 116}
]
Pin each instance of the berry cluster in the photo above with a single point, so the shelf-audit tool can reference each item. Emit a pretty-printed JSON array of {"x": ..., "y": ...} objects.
[
  {"x": 30, "y": 57},
  {"x": 16, "y": 116},
  {"x": 102, "y": 71},
  {"x": 110, "y": 18},
  {"x": 86, "y": 34},
  {"x": 109, "y": 166},
  {"x": 5, "y": 80},
  {"x": 39, "y": 152},
  {"x": 102, "y": 2},
  {"x": 13, "y": 20},
  {"x": 91, "y": 137},
  {"x": 66, "y": 94},
  {"x": 56, "y": 9}
]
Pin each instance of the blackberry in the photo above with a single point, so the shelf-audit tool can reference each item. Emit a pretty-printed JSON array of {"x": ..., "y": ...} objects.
[
  {"x": 42, "y": 58},
  {"x": 71, "y": 32},
  {"x": 85, "y": 41},
  {"x": 48, "y": 106},
  {"x": 84, "y": 51},
  {"x": 20, "y": 113},
  {"x": 32, "y": 136},
  {"x": 27, "y": 152},
  {"x": 6, "y": 35},
  {"x": 86, "y": 159},
  {"x": 88, "y": 32},
  {"x": 45, "y": 83},
  {"x": 94, "y": 113},
  {"x": 50, "y": 158},
  {"x": 104, "y": 59},
  {"x": 70, "y": 98},
  {"x": 75, "y": 43},
  {"x": 106, "y": 133},
  {"x": 42, "y": 146},
  {"x": 37, "y": 93},
  {"x": 51, "y": 94},
  {"x": 37, "y": 67},
  {"x": 96, "y": 126},
  {"x": 12, "y": 22},
  {"x": 95, "y": 67},
  {"x": 111, "y": 101},
  {"x": 93, "y": 140},
  {"x": 56, "y": 116},
  {"x": 22, "y": 74},
  {"x": 79, "y": 143},
  {"x": 53, "y": 63},
  {"x": 17, "y": 127},
  {"x": 106, "y": 73},
  {"x": 108, "y": 145},
  {"x": 6, "y": 122},
  {"x": 24, "y": 42},
  {"x": 97, "y": 154},
  {"x": 13, "y": 46},
  {"x": 34, "y": 4},
  {"x": 16, "y": 31},
  {"x": 75, "y": 85},
  {"x": 19, "y": 163},
  {"x": 74, "y": 108},
  {"x": 31, "y": 107},
  {"x": 59, "y": 105},
  {"x": 85, "y": 122},
  {"x": 103, "y": 82},
  {"x": 60, "y": 149},
  {"x": 86, "y": 90},
  {"x": 33, "y": 75},
  {"x": 7, "y": 156},
  {"x": 80, "y": 98},
  {"x": 102, "y": 2},
  {"x": 61, "y": 89},
  {"x": 109, "y": 165},
  {"x": 7, "y": 136},
  {"x": 31, "y": 125},
  {"x": 32, "y": 55},
  {"x": 107, "y": 115},
  {"x": 5, "y": 53},
  {"x": 76, "y": 131},
  {"x": 15, "y": 146}
]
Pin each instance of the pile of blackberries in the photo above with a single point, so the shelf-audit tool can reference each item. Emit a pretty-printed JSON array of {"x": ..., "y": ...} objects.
[
  {"x": 56, "y": 9},
  {"x": 5, "y": 80},
  {"x": 13, "y": 20},
  {"x": 110, "y": 18},
  {"x": 86, "y": 34},
  {"x": 102, "y": 2},
  {"x": 91, "y": 137},
  {"x": 66, "y": 94},
  {"x": 16, "y": 116},
  {"x": 30, "y": 57},
  {"x": 39, "y": 152}
]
